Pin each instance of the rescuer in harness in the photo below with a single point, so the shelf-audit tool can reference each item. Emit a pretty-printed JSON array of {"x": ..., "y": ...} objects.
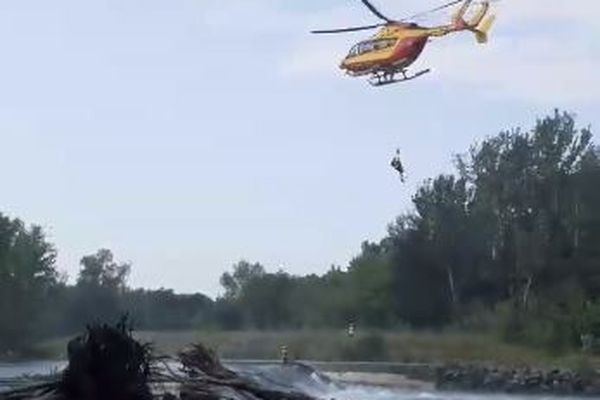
[{"x": 397, "y": 165}]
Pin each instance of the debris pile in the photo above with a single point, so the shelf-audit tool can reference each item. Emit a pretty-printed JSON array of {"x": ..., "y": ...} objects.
[
  {"x": 207, "y": 379},
  {"x": 107, "y": 363}
]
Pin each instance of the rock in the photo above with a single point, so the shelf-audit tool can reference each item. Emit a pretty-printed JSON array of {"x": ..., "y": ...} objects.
[{"x": 525, "y": 380}]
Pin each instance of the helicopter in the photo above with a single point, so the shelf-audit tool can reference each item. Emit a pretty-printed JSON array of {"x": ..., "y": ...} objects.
[{"x": 386, "y": 56}]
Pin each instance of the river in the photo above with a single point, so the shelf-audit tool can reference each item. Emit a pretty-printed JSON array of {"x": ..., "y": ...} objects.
[{"x": 310, "y": 383}]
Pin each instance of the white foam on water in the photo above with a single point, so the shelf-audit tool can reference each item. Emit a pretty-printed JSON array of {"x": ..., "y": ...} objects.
[{"x": 371, "y": 393}]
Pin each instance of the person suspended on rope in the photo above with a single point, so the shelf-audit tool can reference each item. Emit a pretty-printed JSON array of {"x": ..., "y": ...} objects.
[{"x": 397, "y": 165}]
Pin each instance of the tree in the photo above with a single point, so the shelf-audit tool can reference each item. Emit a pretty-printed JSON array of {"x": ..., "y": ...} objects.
[
  {"x": 442, "y": 208},
  {"x": 163, "y": 309},
  {"x": 420, "y": 291},
  {"x": 524, "y": 187},
  {"x": 27, "y": 272},
  {"x": 265, "y": 301},
  {"x": 243, "y": 273},
  {"x": 370, "y": 286},
  {"x": 101, "y": 283},
  {"x": 101, "y": 270}
]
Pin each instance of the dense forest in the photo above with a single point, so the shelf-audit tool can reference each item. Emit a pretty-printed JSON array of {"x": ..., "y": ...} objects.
[{"x": 510, "y": 242}]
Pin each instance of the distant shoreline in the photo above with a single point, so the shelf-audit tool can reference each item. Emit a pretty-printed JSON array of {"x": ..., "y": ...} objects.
[
  {"x": 399, "y": 359},
  {"x": 401, "y": 347}
]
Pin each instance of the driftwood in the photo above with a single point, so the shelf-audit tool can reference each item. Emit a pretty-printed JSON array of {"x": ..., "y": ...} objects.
[
  {"x": 107, "y": 363},
  {"x": 205, "y": 378},
  {"x": 46, "y": 391}
]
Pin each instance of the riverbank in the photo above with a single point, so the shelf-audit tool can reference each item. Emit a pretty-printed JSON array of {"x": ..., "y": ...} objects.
[
  {"x": 414, "y": 361},
  {"x": 531, "y": 381},
  {"x": 400, "y": 347},
  {"x": 473, "y": 379}
]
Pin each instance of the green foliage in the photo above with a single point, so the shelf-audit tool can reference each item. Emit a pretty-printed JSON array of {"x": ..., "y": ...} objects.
[
  {"x": 27, "y": 272},
  {"x": 545, "y": 326},
  {"x": 100, "y": 285},
  {"x": 516, "y": 228},
  {"x": 243, "y": 274},
  {"x": 508, "y": 243},
  {"x": 100, "y": 270},
  {"x": 102, "y": 294},
  {"x": 166, "y": 310},
  {"x": 589, "y": 320},
  {"x": 370, "y": 287},
  {"x": 370, "y": 347}
]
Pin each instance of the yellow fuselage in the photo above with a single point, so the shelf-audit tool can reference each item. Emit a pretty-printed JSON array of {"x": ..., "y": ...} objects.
[
  {"x": 394, "y": 47},
  {"x": 397, "y": 45}
]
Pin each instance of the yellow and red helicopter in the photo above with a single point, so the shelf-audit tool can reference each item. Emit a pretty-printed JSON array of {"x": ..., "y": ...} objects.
[{"x": 399, "y": 43}]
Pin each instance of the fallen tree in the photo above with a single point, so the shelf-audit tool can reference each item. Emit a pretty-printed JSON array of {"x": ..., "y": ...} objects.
[
  {"x": 108, "y": 363},
  {"x": 207, "y": 379},
  {"x": 105, "y": 362}
]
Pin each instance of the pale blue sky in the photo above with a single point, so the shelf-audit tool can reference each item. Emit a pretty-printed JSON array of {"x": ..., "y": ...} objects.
[{"x": 188, "y": 134}]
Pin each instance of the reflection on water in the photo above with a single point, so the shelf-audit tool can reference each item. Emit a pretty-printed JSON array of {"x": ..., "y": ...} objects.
[{"x": 14, "y": 370}]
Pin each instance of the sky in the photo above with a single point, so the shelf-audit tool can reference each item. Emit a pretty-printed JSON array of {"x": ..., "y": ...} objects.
[{"x": 186, "y": 135}]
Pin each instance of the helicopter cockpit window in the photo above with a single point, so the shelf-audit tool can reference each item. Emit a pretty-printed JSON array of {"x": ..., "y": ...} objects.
[
  {"x": 371, "y": 45},
  {"x": 367, "y": 47},
  {"x": 384, "y": 44}
]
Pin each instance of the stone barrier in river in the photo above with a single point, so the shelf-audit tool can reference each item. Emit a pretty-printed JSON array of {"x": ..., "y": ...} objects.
[{"x": 515, "y": 380}]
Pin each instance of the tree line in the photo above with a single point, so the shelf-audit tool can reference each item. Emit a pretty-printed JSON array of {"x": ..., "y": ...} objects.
[
  {"x": 510, "y": 242},
  {"x": 36, "y": 302}
]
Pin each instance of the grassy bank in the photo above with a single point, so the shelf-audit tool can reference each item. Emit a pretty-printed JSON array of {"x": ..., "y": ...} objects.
[{"x": 406, "y": 347}]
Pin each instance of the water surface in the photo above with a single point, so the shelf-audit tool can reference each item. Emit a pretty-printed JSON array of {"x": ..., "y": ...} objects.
[{"x": 278, "y": 377}]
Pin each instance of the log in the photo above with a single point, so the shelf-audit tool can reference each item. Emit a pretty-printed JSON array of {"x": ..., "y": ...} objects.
[
  {"x": 107, "y": 363},
  {"x": 207, "y": 379}
]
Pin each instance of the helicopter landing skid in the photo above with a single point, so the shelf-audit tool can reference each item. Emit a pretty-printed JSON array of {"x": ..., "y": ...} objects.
[{"x": 388, "y": 78}]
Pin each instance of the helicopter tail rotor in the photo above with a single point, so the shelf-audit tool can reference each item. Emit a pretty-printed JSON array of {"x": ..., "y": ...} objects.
[
  {"x": 482, "y": 30},
  {"x": 480, "y": 23}
]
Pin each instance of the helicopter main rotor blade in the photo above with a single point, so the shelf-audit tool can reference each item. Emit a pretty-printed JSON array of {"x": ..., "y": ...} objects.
[
  {"x": 442, "y": 7},
  {"x": 375, "y": 11},
  {"x": 343, "y": 30}
]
